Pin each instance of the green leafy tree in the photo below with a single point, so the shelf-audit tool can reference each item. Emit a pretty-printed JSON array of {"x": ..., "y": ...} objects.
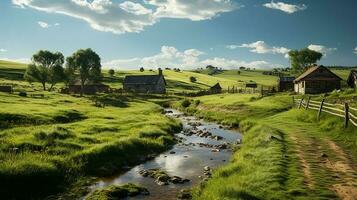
[
  {"x": 86, "y": 64},
  {"x": 111, "y": 72},
  {"x": 142, "y": 69},
  {"x": 193, "y": 79},
  {"x": 302, "y": 59},
  {"x": 46, "y": 67}
]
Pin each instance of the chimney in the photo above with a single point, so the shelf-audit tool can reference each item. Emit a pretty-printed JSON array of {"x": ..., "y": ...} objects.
[{"x": 160, "y": 72}]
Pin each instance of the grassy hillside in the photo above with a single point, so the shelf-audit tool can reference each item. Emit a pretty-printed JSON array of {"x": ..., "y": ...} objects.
[
  {"x": 52, "y": 142},
  {"x": 286, "y": 153}
]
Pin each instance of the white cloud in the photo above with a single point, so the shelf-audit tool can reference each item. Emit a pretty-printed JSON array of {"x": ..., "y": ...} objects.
[
  {"x": 288, "y": 8},
  {"x": 3, "y": 50},
  {"x": 194, "y": 10},
  {"x": 188, "y": 59},
  {"x": 232, "y": 47},
  {"x": 128, "y": 16},
  {"x": 261, "y": 47},
  {"x": 43, "y": 24},
  {"x": 355, "y": 50},
  {"x": 322, "y": 49}
]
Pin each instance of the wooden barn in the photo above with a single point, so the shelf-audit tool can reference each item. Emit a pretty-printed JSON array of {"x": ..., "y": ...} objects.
[
  {"x": 216, "y": 89},
  {"x": 286, "y": 83},
  {"x": 89, "y": 88},
  {"x": 317, "y": 79},
  {"x": 155, "y": 84},
  {"x": 352, "y": 79}
]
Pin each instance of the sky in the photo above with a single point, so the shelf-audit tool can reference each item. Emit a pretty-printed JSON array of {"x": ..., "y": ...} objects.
[{"x": 128, "y": 34}]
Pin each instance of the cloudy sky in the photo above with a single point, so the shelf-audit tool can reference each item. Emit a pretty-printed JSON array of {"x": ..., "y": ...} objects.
[{"x": 181, "y": 33}]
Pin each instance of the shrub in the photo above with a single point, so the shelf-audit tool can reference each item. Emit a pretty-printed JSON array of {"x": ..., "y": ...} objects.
[
  {"x": 193, "y": 79},
  {"x": 111, "y": 72},
  {"x": 197, "y": 102},
  {"x": 22, "y": 94},
  {"x": 185, "y": 103}
]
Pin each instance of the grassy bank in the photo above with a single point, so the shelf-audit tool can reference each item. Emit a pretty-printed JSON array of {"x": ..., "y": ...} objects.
[
  {"x": 52, "y": 142},
  {"x": 286, "y": 153}
]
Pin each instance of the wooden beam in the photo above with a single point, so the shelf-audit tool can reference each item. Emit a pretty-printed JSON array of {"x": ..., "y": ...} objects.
[
  {"x": 347, "y": 116},
  {"x": 320, "y": 109}
]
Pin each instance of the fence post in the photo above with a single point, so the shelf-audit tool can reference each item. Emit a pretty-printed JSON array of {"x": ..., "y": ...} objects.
[
  {"x": 293, "y": 101},
  {"x": 307, "y": 103},
  {"x": 347, "y": 116},
  {"x": 320, "y": 110},
  {"x": 302, "y": 99}
]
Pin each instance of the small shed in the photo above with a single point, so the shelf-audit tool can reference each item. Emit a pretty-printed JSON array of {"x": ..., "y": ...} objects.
[
  {"x": 286, "y": 83},
  {"x": 6, "y": 88},
  {"x": 89, "y": 88},
  {"x": 251, "y": 85},
  {"x": 352, "y": 79},
  {"x": 216, "y": 89},
  {"x": 155, "y": 84},
  {"x": 317, "y": 79}
]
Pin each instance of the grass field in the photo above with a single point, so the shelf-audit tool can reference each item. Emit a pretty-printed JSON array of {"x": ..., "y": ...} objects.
[
  {"x": 286, "y": 153},
  {"x": 46, "y": 143}
]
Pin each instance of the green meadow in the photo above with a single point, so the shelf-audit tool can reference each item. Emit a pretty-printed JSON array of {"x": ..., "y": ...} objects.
[{"x": 55, "y": 145}]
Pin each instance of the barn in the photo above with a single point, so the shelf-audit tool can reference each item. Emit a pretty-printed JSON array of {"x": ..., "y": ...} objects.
[
  {"x": 155, "y": 84},
  {"x": 89, "y": 88},
  {"x": 216, "y": 89},
  {"x": 317, "y": 79},
  {"x": 352, "y": 79},
  {"x": 286, "y": 83}
]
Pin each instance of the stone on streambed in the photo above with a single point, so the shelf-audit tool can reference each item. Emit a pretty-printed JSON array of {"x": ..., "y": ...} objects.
[
  {"x": 161, "y": 177},
  {"x": 184, "y": 194},
  {"x": 118, "y": 192}
]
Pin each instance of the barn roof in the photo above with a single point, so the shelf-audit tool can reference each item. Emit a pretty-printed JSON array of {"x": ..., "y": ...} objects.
[
  {"x": 142, "y": 79},
  {"x": 313, "y": 69},
  {"x": 217, "y": 86}
]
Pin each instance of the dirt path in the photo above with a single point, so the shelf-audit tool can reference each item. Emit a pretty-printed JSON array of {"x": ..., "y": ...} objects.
[{"x": 327, "y": 169}]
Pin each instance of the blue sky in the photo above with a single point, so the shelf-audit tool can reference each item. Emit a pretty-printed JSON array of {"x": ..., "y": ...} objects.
[{"x": 181, "y": 33}]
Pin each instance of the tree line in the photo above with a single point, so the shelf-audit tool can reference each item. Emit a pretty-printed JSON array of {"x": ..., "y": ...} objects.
[{"x": 51, "y": 68}]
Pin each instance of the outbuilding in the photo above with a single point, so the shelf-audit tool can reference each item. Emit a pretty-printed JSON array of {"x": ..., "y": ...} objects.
[
  {"x": 216, "y": 89},
  {"x": 286, "y": 83},
  {"x": 155, "y": 84},
  {"x": 317, "y": 79},
  {"x": 89, "y": 88}
]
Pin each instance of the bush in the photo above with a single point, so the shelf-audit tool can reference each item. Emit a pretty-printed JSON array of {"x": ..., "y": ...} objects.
[
  {"x": 22, "y": 94},
  {"x": 197, "y": 102},
  {"x": 111, "y": 72},
  {"x": 193, "y": 79},
  {"x": 185, "y": 103}
]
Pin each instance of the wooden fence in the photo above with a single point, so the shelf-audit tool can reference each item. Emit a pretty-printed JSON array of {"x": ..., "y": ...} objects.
[{"x": 344, "y": 111}]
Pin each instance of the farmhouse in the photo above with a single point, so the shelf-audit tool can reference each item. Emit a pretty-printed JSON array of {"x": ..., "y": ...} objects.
[
  {"x": 317, "y": 79},
  {"x": 89, "y": 87},
  {"x": 286, "y": 83},
  {"x": 155, "y": 84},
  {"x": 216, "y": 89},
  {"x": 352, "y": 79}
]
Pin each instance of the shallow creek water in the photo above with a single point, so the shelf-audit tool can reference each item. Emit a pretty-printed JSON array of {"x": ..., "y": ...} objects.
[{"x": 186, "y": 159}]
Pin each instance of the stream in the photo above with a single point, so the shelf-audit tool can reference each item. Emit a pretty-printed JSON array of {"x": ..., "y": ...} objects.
[{"x": 200, "y": 145}]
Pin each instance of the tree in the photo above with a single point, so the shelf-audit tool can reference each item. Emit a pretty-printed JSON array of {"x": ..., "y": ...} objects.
[
  {"x": 111, "y": 72},
  {"x": 142, "y": 69},
  {"x": 193, "y": 79},
  {"x": 302, "y": 59},
  {"x": 46, "y": 67},
  {"x": 85, "y": 63}
]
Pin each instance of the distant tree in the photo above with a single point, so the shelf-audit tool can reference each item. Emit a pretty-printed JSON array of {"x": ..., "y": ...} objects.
[
  {"x": 210, "y": 67},
  {"x": 238, "y": 72},
  {"x": 302, "y": 59},
  {"x": 193, "y": 79},
  {"x": 111, "y": 72},
  {"x": 85, "y": 63},
  {"x": 142, "y": 69},
  {"x": 242, "y": 68},
  {"x": 46, "y": 67}
]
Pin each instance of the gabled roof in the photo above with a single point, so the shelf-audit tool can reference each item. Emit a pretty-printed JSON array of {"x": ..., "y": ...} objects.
[
  {"x": 313, "y": 69},
  {"x": 217, "y": 86},
  {"x": 143, "y": 79}
]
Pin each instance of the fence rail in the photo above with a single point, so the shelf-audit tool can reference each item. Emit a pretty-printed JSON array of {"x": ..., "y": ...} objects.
[{"x": 338, "y": 110}]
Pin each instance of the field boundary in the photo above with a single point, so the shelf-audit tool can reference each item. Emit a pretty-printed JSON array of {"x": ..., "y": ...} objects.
[{"x": 349, "y": 114}]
